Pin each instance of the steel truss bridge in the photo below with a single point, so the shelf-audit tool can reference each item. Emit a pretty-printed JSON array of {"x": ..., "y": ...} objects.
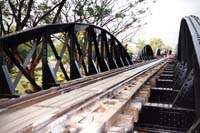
[{"x": 103, "y": 89}]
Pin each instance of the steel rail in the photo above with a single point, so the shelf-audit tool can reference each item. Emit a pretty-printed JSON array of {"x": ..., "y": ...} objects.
[
  {"x": 101, "y": 94},
  {"x": 64, "y": 88},
  {"x": 104, "y": 87},
  {"x": 109, "y": 91}
]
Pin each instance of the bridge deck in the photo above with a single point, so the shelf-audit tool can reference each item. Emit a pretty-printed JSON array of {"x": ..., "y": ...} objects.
[
  {"x": 110, "y": 103},
  {"x": 14, "y": 119}
]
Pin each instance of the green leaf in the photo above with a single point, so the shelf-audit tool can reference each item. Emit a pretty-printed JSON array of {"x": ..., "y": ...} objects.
[{"x": 91, "y": 11}]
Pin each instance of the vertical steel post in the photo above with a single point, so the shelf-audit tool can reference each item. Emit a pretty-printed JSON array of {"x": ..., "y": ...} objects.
[
  {"x": 102, "y": 64},
  {"x": 6, "y": 86},
  {"x": 92, "y": 69},
  {"x": 103, "y": 57},
  {"x": 116, "y": 53},
  {"x": 111, "y": 62},
  {"x": 74, "y": 68},
  {"x": 196, "y": 84},
  {"x": 123, "y": 56},
  {"x": 48, "y": 75}
]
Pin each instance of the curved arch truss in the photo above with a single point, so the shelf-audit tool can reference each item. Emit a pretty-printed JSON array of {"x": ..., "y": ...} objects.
[
  {"x": 79, "y": 50},
  {"x": 189, "y": 40},
  {"x": 146, "y": 53},
  {"x": 188, "y": 55}
]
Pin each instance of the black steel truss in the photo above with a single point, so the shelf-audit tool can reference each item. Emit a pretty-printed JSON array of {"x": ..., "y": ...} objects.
[
  {"x": 188, "y": 53},
  {"x": 146, "y": 53},
  {"x": 174, "y": 104},
  {"x": 99, "y": 51}
]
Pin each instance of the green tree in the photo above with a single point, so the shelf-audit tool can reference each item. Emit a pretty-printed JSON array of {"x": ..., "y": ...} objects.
[
  {"x": 20, "y": 14},
  {"x": 156, "y": 43},
  {"x": 113, "y": 15},
  {"x": 140, "y": 43}
]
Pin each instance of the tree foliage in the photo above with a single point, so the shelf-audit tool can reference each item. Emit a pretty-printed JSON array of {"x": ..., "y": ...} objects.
[
  {"x": 22, "y": 14},
  {"x": 156, "y": 43},
  {"x": 140, "y": 44},
  {"x": 121, "y": 18},
  {"x": 116, "y": 16}
]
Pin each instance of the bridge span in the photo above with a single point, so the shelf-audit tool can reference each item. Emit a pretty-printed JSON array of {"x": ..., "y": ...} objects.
[{"x": 102, "y": 90}]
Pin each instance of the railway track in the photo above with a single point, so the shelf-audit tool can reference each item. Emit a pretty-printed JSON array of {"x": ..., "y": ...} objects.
[
  {"x": 63, "y": 88},
  {"x": 92, "y": 104},
  {"x": 109, "y": 101}
]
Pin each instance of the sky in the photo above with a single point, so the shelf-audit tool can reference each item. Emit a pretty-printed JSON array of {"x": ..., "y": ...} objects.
[{"x": 165, "y": 20}]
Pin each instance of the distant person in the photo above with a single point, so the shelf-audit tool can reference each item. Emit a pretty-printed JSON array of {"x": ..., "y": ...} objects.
[{"x": 170, "y": 52}]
